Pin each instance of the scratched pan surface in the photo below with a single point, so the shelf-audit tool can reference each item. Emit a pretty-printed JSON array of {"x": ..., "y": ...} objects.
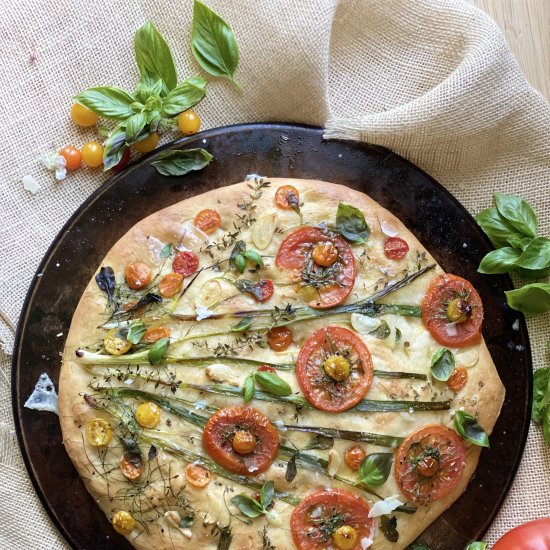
[{"x": 426, "y": 208}]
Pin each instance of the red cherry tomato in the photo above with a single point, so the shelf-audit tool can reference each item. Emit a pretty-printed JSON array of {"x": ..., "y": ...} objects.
[
  {"x": 279, "y": 338},
  {"x": 534, "y": 535},
  {"x": 263, "y": 290},
  {"x": 185, "y": 263},
  {"x": 72, "y": 156},
  {"x": 395, "y": 248},
  {"x": 123, "y": 161}
]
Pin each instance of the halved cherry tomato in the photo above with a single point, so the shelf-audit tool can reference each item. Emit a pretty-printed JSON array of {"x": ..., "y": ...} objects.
[
  {"x": 429, "y": 463},
  {"x": 197, "y": 475},
  {"x": 155, "y": 333},
  {"x": 314, "y": 523},
  {"x": 170, "y": 285},
  {"x": 123, "y": 160},
  {"x": 207, "y": 220},
  {"x": 322, "y": 390},
  {"x": 395, "y": 248},
  {"x": 72, "y": 156},
  {"x": 287, "y": 197},
  {"x": 354, "y": 456},
  {"x": 533, "y": 535},
  {"x": 458, "y": 379},
  {"x": 185, "y": 263},
  {"x": 263, "y": 290},
  {"x": 449, "y": 290},
  {"x": 219, "y": 431},
  {"x": 131, "y": 465},
  {"x": 332, "y": 285},
  {"x": 279, "y": 338},
  {"x": 189, "y": 122},
  {"x": 138, "y": 275}
]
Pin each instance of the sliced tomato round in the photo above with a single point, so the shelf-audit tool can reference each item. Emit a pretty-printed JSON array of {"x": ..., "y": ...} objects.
[
  {"x": 331, "y": 285},
  {"x": 323, "y": 512},
  {"x": 441, "y": 292},
  {"x": 320, "y": 389},
  {"x": 219, "y": 432},
  {"x": 429, "y": 463}
]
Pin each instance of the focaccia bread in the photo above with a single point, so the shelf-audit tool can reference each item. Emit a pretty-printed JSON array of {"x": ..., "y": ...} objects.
[{"x": 275, "y": 364}]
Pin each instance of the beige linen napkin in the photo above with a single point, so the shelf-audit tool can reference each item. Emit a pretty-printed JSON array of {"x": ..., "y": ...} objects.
[{"x": 432, "y": 80}]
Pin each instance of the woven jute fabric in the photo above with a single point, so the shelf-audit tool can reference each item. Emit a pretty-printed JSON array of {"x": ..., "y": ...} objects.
[{"x": 433, "y": 80}]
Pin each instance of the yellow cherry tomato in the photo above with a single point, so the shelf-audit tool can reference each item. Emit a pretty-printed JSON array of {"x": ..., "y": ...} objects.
[
  {"x": 345, "y": 537},
  {"x": 83, "y": 116},
  {"x": 92, "y": 154},
  {"x": 147, "y": 144},
  {"x": 98, "y": 432},
  {"x": 123, "y": 522},
  {"x": 148, "y": 415},
  {"x": 189, "y": 122},
  {"x": 115, "y": 344},
  {"x": 337, "y": 368}
]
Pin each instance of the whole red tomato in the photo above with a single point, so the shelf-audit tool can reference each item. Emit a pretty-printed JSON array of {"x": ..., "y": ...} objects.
[{"x": 534, "y": 535}]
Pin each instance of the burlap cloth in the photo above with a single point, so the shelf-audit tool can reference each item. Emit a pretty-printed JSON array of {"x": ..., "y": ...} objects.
[{"x": 432, "y": 80}]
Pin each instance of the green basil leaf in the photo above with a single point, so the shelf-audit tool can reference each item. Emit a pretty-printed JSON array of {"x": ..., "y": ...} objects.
[
  {"x": 248, "y": 388},
  {"x": 240, "y": 263},
  {"x": 291, "y": 469},
  {"x": 165, "y": 251},
  {"x": 532, "y": 273},
  {"x": 153, "y": 56},
  {"x": 536, "y": 255},
  {"x": 541, "y": 393},
  {"x": 115, "y": 145},
  {"x": 187, "y": 521},
  {"x": 266, "y": 493},
  {"x": 239, "y": 248},
  {"x": 134, "y": 125},
  {"x": 107, "y": 101},
  {"x": 321, "y": 442},
  {"x": 532, "y": 299},
  {"x": 179, "y": 163},
  {"x": 247, "y": 505},
  {"x": 382, "y": 332},
  {"x": 468, "y": 428},
  {"x": 242, "y": 325},
  {"x": 518, "y": 213},
  {"x": 136, "y": 332},
  {"x": 546, "y": 425},
  {"x": 398, "y": 335},
  {"x": 477, "y": 545},
  {"x": 272, "y": 383},
  {"x": 213, "y": 43},
  {"x": 351, "y": 224},
  {"x": 443, "y": 364},
  {"x": 375, "y": 468},
  {"x": 254, "y": 257},
  {"x": 150, "y": 86},
  {"x": 519, "y": 241},
  {"x": 499, "y": 261},
  {"x": 184, "y": 96},
  {"x": 158, "y": 350},
  {"x": 495, "y": 227},
  {"x": 388, "y": 526}
]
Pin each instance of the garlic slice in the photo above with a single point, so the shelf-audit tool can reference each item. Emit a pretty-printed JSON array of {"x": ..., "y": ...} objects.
[
  {"x": 264, "y": 229},
  {"x": 364, "y": 323},
  {"x": 210, "y": 293},
  {"x": 467, "y": 359}
]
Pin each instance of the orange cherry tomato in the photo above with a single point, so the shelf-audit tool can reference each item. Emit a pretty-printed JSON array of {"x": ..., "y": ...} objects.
[
  {"x": 131, "y": 465},
  {"x": 185, "y": 263},
  {"x": 147, "y": 144},
  {"x": 316, "y": 520},
  {"x": 72, "y": 156},
  {"x": 429, "y": 463},
  {"x": 354, "y": 456},
  {"x": 138, "y": 275},
  {"x": 197, "y": 475},
  {"x": 123, "y": 161},
  {"x": 324, "y": 254},
  {"x": 189, "y": 122},
  {"x": 220, "y": 430},
  {"x": 170, "y": 285},
  {"x": 458, "y": 379},
  {"x": 83, "y": 116},
  {"x": 279, "y": 338},
  {"x": 443, "y": 291},
  {"x": 287, "y": 197},
  {"x": 295, "y": 254},
  {"x": 244, "y": 442},
  {"x": 207, "y": 220},
  {"x": 155, "y": 333},
  {"x": 92, "y": 154},
  {"x": 321, "y": 389}
]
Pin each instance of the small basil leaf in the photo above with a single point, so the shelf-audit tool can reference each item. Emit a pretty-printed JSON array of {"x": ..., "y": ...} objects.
[
  {"x": 541, "y": 393},
  {"x": 187, "y": 521},
  {"x": 320, "y": 442},
  {"x": 158, "y": 350},
  {"x": 351, "y": 224},
  {"x": 105, "y": 280},
  {"x": 519, "y": 241},
  {"x": 152, "y": 454},
  {"x": 375, "y": 468},
  {"x": 291, "y": 470},
  {"x": 495, "y": 227},
  {"x": 266, "y": 493},
  {"x": 248, "y": 388},
  {"x": 532, "y": 299},
  {"x": 254, "y": 257},
  {"x": 136, "y": 332},
  {"x": 536, "y": 255},
  {"x": 382, "y": 331},
  {"x": 272, "y": 383},
  {"x": 443, "y": 364},
  {"x": 213, "y": 43},
  {"x": 107, "y": 101},
  {"x": 165, "y": 251},
  {"x": 115, "y": 145},
  {"x": 398, "y": 335},
  {"x": 184, "y": 96},
  {"x": 179, "y": 163},
  {"x": 518, "y": 213},
  {"x": 546, "y": 425},
  {"x": 248, "y": 506},
  {"x": 499, "y": 261},
  {"x": 242, "y": 325},
  {"x": 226, "y": 536},
  {"x": 468, "y": 428},
  {"x": 388, "y": 526},
  {"x": 240, "y": 263},
  {"x": 477, "y": 545},
  {"x": 153, "y": 56},
  {"x": 134, "y": 125}
]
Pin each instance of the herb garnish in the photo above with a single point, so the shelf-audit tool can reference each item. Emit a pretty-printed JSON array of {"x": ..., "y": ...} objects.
[
  {"x": 351, "y": 224},
  {"x": 443, "y": 364},
  {"x": 467, "y": 427},
  {"x": 251, "y": 507},
  {"x": 375, "y": 469},
  {"x": 268, "y": 381},
  {"x": 179, "y": 163},
  {"x": 105, "y": 280}
]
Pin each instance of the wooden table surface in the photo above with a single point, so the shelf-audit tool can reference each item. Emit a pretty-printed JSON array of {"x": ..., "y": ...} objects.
[{"x": 526, "y": 25}]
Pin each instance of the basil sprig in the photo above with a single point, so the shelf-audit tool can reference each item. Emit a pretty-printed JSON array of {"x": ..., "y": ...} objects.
[
  {"x": 240, "y": 256},
  {"x": 375, "y": 469},
  {"x": 351, "y": 224},
  {"x": 540, "y": 411},
  {"x": 443, "y": 364},
  {"x": 179, "y": 163},
  {"x": 467, "y": 427},
  {"x": 268, "y": 381},
  {"x": 213, "y": 43},
  {"x": 251, "y": 507}
]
